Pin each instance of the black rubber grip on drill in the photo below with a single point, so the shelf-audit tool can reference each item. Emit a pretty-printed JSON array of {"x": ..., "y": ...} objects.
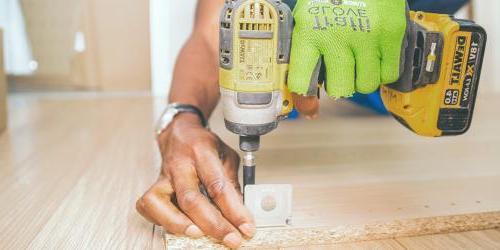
[{"x": 248, "y": 176}]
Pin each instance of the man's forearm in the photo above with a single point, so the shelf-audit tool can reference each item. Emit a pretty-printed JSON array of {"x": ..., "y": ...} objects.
[{"x": 195, "y": 78}]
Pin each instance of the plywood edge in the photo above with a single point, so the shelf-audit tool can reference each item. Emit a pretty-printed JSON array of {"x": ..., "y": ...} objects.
[{"x": 277, "y": 238}]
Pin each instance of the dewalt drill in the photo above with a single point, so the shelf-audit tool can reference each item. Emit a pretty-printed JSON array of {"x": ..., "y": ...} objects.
[
  {"x": 434, "y": 96},
  {"x": 255, "y": 38}
]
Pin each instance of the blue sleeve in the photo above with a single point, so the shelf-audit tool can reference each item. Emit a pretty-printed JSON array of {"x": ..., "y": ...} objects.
[{"x": 437, "y": 6}]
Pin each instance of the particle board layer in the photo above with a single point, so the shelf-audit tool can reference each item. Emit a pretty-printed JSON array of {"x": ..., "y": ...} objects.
[
  {"x": 293, "y": 237},
  {"x": 485, "y": 239},
  {"x": 358, "y": 176}
]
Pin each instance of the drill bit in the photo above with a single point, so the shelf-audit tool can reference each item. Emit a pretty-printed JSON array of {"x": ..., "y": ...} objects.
[
  {"x": 249, "y": 145},
  {"x": 248, "y": 169}
]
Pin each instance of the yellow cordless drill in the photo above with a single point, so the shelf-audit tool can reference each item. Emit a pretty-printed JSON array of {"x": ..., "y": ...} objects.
[
  {"x": 255, "y": 37},
  {"x": 435, "y": 95}
]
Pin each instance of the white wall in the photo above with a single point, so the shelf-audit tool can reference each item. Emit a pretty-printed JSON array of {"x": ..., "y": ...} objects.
[
  {"x": 171, "y": 24},
  {"x": 17, "y": 51}
]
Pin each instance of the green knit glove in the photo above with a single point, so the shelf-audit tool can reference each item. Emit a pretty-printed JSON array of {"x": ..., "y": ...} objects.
[{"x": 359, "y": 41}]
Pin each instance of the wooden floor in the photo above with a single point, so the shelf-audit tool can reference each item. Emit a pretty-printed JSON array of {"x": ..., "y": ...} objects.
[{"x": 72, "y": 166}]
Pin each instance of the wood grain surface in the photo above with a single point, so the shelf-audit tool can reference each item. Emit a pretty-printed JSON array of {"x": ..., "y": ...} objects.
[
  {"x": 71, "y": 171},
  {"x": 357, "y": 176},
  {"x": 72, "y": 166}
]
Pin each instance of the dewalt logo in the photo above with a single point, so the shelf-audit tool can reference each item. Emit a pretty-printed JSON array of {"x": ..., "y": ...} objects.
[{"x": 458, "y": 60}]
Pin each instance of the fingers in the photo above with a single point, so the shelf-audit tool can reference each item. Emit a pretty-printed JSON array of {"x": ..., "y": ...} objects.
[
  {"x": 390, "y": 64},
  {"x": 304, "y": 68},
  {"x": 198, "y": 208},
  {"x": 231, "y": 163},
  {"x": 156, "y": 206},
  {"x": 340, "y": 73},
  {"x": 221, "y": 188},
  {"x": 367, "y": 70},
  {"x": 307, "y": 105},
  {"x": 140, "y": 207},
  {"x": 391, "y": 46}
]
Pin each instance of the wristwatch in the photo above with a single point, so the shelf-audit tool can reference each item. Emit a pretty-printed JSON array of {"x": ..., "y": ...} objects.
[{"x": 172, "y": 110}]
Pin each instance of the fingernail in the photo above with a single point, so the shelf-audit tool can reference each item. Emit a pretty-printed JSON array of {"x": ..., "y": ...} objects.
[
  {"x": 232, "y": 240},
  {"x": 247, "y": 229},
  {"x": 193, "y": 232}
]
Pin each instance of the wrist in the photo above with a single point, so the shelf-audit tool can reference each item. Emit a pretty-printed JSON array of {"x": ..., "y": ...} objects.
[
  {"x": 187, "y": 119},
  {"x": 175, "y": 110},
  {"x": 180, "y": 123}
]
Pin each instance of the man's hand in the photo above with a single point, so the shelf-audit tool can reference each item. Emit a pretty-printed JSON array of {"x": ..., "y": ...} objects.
[{"x": 193, "y": 157}]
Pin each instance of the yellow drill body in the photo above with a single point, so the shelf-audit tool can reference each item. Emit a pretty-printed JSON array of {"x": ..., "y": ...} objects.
[
  {"x": 443, "y": 102},
  {"x": 254, "y": 57}
]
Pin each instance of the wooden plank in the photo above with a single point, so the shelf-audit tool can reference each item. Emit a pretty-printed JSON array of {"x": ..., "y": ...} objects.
[
  {"x": 51, "y": 26},
  {"x": 72, "y": 166},
  {"x": 369, "y": 173},
  {"x": 70, "y": 175},
  {"x": 3, "y": 89},
  {"x": 488, "y": 239},
  {"x": 278, "y": 238},
  {"x": 379, "y": 244},
  {"x": 120, "y": 41},
  {"x": 117, "y": 45}
]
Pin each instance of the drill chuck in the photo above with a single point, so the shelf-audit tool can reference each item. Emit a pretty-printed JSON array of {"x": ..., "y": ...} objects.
[{"x": 249, "y": 143}]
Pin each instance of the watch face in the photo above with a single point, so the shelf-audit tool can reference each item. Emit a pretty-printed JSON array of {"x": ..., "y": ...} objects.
[
  {"x": 166, "y": 119},
  {"x": 169, "y": 115}
]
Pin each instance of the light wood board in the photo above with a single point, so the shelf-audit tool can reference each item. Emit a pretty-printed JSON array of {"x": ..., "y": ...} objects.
[
  {"x": 71, "y": 169},
  {"x": 358, "y": 176},
  {"x": 72, "y": 166},
  {"x": 279, "y": 238},
  {"x": 487, "y": 239}
]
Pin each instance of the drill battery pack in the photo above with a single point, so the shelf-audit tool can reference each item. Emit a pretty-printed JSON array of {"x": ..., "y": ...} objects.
[{"x": 436, "y": 93}]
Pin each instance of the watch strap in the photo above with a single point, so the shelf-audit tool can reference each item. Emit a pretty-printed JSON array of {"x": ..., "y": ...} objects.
[
  {"x": 174, "y": 109},
  {"x": 188, "y": 108}
]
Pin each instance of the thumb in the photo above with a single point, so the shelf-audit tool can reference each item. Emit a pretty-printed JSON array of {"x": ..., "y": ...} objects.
[{"x": 307, "y": 105}]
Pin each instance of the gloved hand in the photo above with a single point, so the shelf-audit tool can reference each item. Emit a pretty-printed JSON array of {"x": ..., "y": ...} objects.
[{"x": 360, "y": 42}]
